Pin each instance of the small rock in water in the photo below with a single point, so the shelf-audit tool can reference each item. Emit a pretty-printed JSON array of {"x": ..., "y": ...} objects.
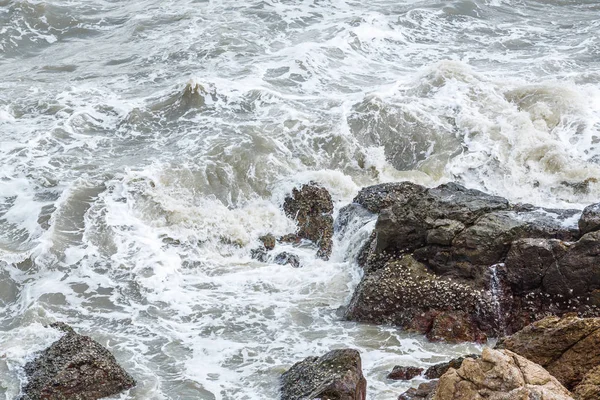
[
  {"x": 335, "y": 376},
  {"x": 268, "y": 241},
  {"x": 312, "y": 208},
  {"x": 400, "y": 373},
  {"x": 286, "y": 258},
  {"x": 74, "y": 367}
]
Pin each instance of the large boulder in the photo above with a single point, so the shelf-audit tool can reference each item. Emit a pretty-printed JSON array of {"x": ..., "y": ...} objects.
[
  {"x": 75, "y": 367},
  {"x": 336, "y": 375},
  {"x": 499, "y": 375},
  {"x": 312, "y": 208},
  {"x": 568, "y": 347},
  {"x": 515, "y": 263}
]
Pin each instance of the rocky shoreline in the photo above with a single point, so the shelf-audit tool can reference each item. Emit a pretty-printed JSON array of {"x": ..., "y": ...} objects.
[{"x": 452, "y": 263}]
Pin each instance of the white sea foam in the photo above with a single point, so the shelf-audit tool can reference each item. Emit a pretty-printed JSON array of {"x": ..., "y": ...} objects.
[{"x": 129, "y": 205}]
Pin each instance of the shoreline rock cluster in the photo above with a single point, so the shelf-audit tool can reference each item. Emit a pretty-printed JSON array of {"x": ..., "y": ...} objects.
[
  {"x": 452, "y": 263},
  {"x": 456, "y": 265}
]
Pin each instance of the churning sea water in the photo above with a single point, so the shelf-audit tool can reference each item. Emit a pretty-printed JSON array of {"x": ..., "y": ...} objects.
[{"x": 146, "y": 145}]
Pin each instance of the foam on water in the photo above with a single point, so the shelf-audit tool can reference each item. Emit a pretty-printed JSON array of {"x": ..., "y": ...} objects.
[{"x": 145, "y": 147}]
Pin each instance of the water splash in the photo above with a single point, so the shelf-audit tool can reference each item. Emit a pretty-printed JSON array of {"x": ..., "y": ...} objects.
[{"x": 496, "y": 292}]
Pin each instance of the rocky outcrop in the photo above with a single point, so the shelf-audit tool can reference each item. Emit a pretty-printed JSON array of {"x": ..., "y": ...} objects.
[
  {"x": 312, "y": 208},
  {"x": 75, "y": 367},
  {"x": 336, "y": 375},
  {"x": 499, "y": 374},
  {"x": 401, "y": 373},
  {"x": 568, "y": 347},
  {"x": 458, "y": 264},
  {"x": 436, "y": 371}
]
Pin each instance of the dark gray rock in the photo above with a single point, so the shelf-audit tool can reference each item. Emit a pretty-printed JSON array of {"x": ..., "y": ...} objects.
[
  {"x": 75, "y": 368},
  {"x": 337, "y": 376},
  {"x": 312, "y": 208},
  {"x": 459, "y": 236},
  {"x": 286, "y": 258},
  {"x": 401, "y": 373},
  {"x": 590, "y": 219}
]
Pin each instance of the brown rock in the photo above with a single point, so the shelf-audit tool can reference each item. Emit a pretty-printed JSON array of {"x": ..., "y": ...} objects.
[
  {"x": 312, "y": 208},
  {"x": 425, "y": 391},
  {"x": 455, "y": 327},
  {"x": 589, "y": 388},
  {"x": 567, "y": 347},
  {"x": 337, "y": 376},
  {"x": 436, "y": 371},
  {"x": 501, "y": 375},
  {"x": 268, "y": 241}
]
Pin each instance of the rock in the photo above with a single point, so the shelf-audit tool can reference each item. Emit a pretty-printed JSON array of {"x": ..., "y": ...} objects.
[
  {"x": 405, "y": 293},
  {"x": 400, "y": 373},
  {"x": 312, "y": 208},
  {"x": 378, "y": 197},
  {"x": 268, "y": 241},
  {"x": 528, "y": 261},
  {"x": 589, "y": 388},
  {"x": 336, "y": 375},
  {"x": 590, "y": 219},
  {"x": 567, "y": 347},
  {"x": 286, "y": 258},
  {"x": 577, "y": 273},
  {"x": 425, "y": 391},
  {"x": 436, "y": 371},
  {"x": 499, "y": 374},
  {"x": 516, "y": 263},
  {"x": 74, "y": 367},
  {"x": 455, "y": 327},
  {"x": 260, "y": 254}
]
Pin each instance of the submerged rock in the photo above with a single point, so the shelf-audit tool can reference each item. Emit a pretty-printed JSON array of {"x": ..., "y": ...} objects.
[
  {"x": 75, "y": 367},
  {"x": 312, "y": 208},
  {"x": 568, "y": 347},
  {"x": 286, "y": 258},
  {"x": 336, "y": 375},
  {"x": 499, "y": 374}
]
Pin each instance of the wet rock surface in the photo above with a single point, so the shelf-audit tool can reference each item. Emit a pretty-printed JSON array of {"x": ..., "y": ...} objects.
[
  {"x": 590, "y": 219},
  {"x": 312, "y": 208},
  {"x": 75, "y": 367},
  {"x": 286, "y": 258},
  {"x": 336, "y": 375},
  {"x": 499, "y": 374},
  {"x": 401, "y": 373},
  {"x": 480, "y": 266},
  {"x": 568, "y": 347}
]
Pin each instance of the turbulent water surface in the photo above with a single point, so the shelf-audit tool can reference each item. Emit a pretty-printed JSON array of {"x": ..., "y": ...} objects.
[{"x": 146, "y": 145}]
